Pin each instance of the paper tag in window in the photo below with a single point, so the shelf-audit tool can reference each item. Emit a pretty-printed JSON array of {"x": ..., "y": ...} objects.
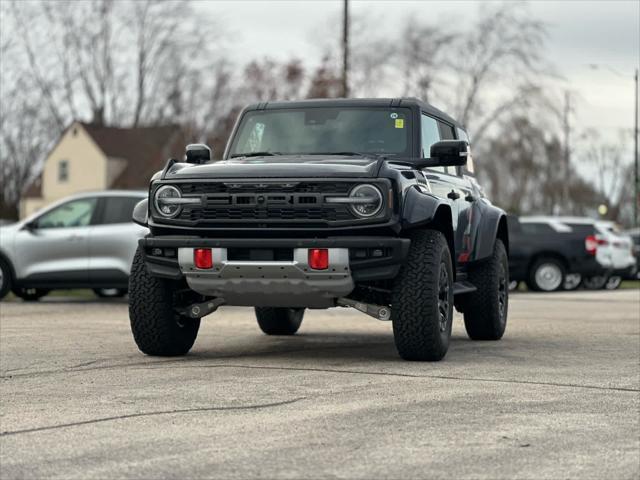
[{"x": 399, "y": 122}]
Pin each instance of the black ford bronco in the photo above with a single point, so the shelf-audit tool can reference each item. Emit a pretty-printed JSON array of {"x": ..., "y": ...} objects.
[{"x": 369, "y": 203}]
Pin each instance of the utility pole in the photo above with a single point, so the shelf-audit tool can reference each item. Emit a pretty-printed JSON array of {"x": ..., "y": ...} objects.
[
  {"x": 345, "y": 49},
  {"x": 567, "y": 152},
  {"x": 636, "y": 180},
  {"x": 636, "y": 203}
]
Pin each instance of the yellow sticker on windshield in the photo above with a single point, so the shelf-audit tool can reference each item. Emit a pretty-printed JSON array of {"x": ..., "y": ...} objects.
[{"x": 399, "y": 122}]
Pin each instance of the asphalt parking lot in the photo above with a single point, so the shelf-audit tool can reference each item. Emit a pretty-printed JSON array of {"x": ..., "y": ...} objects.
[{"x": 558, "y": 397}]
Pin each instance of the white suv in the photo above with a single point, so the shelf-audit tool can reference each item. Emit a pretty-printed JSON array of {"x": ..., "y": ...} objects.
[
  {"x": 83, "y": 241},
  {"x": 614, "y": 251}
]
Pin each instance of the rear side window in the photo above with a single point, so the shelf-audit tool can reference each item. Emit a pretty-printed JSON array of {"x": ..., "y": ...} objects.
[
  {"x": 118, "y": 209},
  {"x": 536, "y": 228}
]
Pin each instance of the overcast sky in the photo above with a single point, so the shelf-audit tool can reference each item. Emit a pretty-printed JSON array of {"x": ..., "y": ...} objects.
[{"x": 580, "y": 33}]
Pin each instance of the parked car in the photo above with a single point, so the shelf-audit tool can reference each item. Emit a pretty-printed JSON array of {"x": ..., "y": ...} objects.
[
  {"x": 614, "y": 251},
  {"x": 548, "y": 255},
  {"x": 634, "y": 234},
  {"x": 83, "y": 241},
  {"x": 370, "y": 204}
]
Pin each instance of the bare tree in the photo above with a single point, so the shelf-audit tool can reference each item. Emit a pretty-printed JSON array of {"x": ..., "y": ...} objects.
[
  {"x": 118, "y": 58},
  {"x": 425, "y": 57},
  {"x": 123, "y": 63},
  {"x": 371, "y": 68},
  {"x": 505, "y": 44},
  {"x": 24, "y": 137},
  {"x": 326, "y": 81},
  {"x": 522, "y": 170},
  {"x": 611, "y": 164},
  {"x": 270, "y": 80}
]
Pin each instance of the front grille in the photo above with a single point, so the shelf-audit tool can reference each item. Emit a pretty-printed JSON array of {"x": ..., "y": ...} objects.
[
  {"x": 335, "y": 188},
  {"x": 332, "y": 213},
  {"x": 263, "y": 205}
]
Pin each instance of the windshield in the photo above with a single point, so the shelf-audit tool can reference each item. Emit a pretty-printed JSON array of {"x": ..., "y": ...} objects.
[{"x": 346, "y": 131}]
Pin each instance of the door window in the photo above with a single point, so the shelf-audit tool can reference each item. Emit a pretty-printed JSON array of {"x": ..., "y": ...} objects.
[
  {"x": 468, "y": 169},
  {"x": 430, "y": 134},
  {"x": 118, "y": 209},
  {"x": 76, "y": 213},
  {"x": 446, "y": 131}
]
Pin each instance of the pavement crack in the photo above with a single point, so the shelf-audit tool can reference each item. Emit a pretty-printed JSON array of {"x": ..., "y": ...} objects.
[
  {"x": 150, "y": 414},
  {"x": 410, "y": 375},
  {"x": 192, "y": 358}
]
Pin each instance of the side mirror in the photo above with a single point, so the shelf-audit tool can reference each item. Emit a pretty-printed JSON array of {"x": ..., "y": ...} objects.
[
  {"x": 31, "y": 226},
  {"x": 198, "y": 153},
  {"x": 450, "y": 153},
  {"x": 140, "y": 212}
]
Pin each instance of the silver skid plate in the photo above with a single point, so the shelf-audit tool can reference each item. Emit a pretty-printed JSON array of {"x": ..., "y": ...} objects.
[{"x": 270, "y": 283}]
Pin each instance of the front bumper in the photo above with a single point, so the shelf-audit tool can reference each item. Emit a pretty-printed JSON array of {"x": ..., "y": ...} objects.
[{"x": 287, "y": 282}]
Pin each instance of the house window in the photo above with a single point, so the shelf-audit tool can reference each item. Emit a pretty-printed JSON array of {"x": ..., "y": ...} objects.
[{"x": 63, "y": 170}]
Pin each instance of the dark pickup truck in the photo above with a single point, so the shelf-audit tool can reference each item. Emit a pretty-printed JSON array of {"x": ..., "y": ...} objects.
[
  {"x": 549, "y": 255},
  {"x": 368, "y": 203}
]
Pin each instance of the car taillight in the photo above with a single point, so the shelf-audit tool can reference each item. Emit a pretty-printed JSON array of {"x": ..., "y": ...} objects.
[
  {"x": 319, "y": 258},
  {"x": 202, "y": 258},
  {"x": 591, "y": 244}
]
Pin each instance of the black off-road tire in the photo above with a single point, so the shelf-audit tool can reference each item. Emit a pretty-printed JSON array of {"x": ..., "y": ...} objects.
[
  {"x": 156, "y": 327},
  {"x": 30, "y": 294},
  {"x": 279, "y": 321},
  {"x": 422, "y": 299},
  {"x": 6, "y": 279},
  {"x": 556, "y": 267},
  {"x": 485, "y": 310}
]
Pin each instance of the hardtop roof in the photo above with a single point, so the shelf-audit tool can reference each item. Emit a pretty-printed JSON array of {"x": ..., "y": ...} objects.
[{"x": 357, "y": 102}]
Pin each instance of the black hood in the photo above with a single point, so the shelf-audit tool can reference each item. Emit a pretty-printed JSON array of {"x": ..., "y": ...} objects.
[{"x": 281, "y": 166}]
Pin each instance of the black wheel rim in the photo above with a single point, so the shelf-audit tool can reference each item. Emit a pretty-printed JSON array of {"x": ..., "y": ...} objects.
[
  {"x": 443, "y": 297},
  {"x": 503, "y": 291}
]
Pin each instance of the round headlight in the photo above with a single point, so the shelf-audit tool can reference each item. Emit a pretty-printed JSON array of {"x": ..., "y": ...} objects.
[
  {"x": 162, "y": 201},
  {"x": 369, "y": 200}
]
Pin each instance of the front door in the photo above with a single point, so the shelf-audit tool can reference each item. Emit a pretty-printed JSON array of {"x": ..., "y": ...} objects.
[
  {"x": 439, "y": 178},
  {"x": 54, "y": 248}
]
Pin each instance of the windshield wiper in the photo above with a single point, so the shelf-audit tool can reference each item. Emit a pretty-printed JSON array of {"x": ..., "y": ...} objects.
[{"x": 255, "y": 154}]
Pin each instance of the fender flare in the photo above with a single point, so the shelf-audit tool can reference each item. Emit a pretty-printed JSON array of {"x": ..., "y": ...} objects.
[
  {"x": 141, "y": 213},
  {"x": 420, "y": 208},
  {"x": 492, "y": 225},
  {"x": 423, "y": 209}
]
